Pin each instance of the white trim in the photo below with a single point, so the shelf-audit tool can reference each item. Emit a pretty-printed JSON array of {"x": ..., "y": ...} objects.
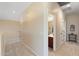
[
  {"x": 54, "y": 40},
  {"x": 45, "y": 29}
]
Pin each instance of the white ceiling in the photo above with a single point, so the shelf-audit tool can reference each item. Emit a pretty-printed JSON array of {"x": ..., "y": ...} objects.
[
  {"x": 12, "y": 10},
  {"x": 74, "y": 8}
]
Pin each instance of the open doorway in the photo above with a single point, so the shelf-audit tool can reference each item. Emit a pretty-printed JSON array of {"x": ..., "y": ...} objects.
[{"x": 51, "y": 33}]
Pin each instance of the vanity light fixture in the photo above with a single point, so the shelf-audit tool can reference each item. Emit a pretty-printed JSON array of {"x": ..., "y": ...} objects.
[{"x": 50, "y": 18}]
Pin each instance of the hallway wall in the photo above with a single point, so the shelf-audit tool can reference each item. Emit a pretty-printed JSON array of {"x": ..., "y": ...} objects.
[
  {"x": 34, "y": 32},
  {"x": 60, "y": 29},
  {"x": 10, "y": 31},
  {"x": 73, "y": 19}
]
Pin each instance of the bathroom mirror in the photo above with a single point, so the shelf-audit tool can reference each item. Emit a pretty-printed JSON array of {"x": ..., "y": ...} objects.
[{"x": 50, "y": 24}]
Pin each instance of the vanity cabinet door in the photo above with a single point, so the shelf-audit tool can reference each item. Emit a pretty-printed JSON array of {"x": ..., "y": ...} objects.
[{"x": 50, "y": 42}]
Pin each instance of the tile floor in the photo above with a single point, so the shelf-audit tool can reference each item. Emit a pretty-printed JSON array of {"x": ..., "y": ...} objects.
[
  {"x": 68, "y": 49},
  {"x": 17, "y": 49}
]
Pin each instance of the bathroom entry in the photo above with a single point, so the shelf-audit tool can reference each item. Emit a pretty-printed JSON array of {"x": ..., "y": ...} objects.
[{"x": 51, "y": 31}]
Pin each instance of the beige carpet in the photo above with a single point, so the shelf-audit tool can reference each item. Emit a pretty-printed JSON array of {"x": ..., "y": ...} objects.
[
  {"x": 68, "y": 49},
  {"x": 17, "y": 49}
]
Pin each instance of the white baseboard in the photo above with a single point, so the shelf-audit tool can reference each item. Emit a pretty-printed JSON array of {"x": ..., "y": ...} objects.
[{"x": 30, "y": 49}]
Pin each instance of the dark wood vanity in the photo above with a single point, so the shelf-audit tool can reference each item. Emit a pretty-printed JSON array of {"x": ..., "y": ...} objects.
[{"x": 50, "y": 42}]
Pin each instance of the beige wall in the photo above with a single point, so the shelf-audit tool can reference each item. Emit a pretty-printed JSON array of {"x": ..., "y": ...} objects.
[
  {"x": 60, "y": 29},
  {"x": 9, "y": 26},
  {"x": 10, "y": 30},
  {"x": 33, "y": 28}
]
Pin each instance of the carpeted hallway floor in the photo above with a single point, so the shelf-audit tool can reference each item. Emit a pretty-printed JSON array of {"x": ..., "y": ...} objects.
[
  {"x": 68, "y": 49},
  {"x": 17, "y": 49}
]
